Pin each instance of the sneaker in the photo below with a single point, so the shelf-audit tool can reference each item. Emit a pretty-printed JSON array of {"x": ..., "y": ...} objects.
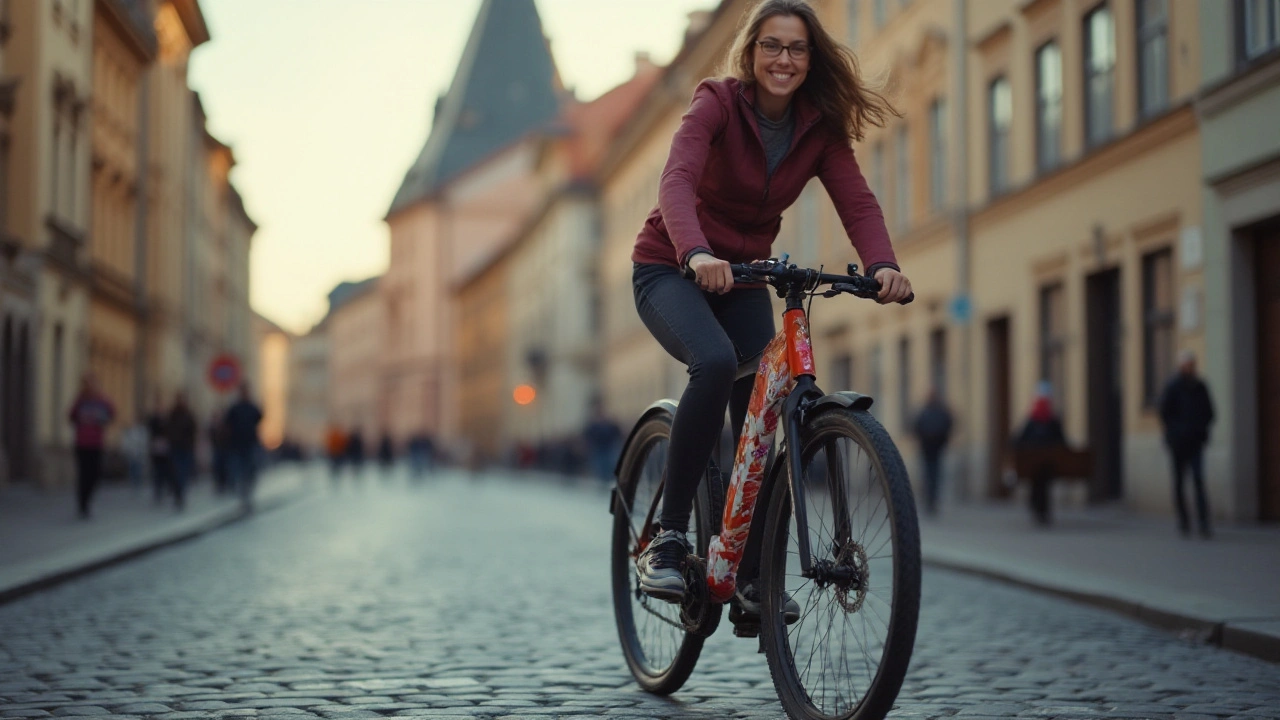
[
  {"x": 748, "y": 598},
  {"x": 659, "y": 568}
]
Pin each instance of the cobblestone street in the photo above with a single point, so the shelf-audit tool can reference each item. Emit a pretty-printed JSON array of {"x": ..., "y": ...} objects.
[{"x": 489, "y": 598}]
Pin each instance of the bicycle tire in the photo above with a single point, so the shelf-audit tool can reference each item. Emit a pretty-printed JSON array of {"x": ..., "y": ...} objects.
[
  {"x": 660, "y": 663},
  {"x": 793, "y": 676}
]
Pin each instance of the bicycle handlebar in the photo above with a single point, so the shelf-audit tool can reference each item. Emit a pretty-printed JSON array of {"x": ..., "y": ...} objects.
[{"x": 777, "y": 273}]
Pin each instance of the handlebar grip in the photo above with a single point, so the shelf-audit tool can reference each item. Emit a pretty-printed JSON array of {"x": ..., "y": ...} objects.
[
  {"x": 910, "y": 297},
  {"x": 687, "y": 273}
]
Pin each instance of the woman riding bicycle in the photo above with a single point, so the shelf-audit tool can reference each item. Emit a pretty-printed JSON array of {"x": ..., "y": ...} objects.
[{"x": 792, "y": 101}]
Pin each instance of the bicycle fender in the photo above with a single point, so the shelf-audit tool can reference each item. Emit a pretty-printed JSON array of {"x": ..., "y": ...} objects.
[
  {"x": 846, "y": 398},
  {"x": 665, "y": 405}
]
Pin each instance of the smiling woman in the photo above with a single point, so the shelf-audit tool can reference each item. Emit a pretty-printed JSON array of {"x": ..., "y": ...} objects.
[{"x": 792, "y": 101}]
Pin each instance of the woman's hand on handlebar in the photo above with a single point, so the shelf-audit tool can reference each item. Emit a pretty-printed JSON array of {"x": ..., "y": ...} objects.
[
  {"x": 894, "y": 286},
  {"x": 711, "y": 273}
]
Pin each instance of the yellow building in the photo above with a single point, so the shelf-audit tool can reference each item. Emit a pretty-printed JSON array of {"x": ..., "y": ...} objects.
[
  {"x": 307, "y": 415},
  {"x": 124, "y": 46},
  {"x": 50, "y": 51},
  {"x": 635, "y": 370},
  {"x": 272, "y": 379},
  {"x": 1044, "y": 195},
  {"x": 19, "y": 272},
  {"x": 358, "y": 399},
  {"x": 172, "y": 156}
]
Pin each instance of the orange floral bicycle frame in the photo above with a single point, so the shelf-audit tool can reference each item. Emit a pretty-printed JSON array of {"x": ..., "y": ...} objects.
[{"x": 788, "y": 357}]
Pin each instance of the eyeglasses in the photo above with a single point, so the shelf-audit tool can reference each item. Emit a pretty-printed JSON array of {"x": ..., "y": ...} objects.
[{"x": 771, "y": 48}]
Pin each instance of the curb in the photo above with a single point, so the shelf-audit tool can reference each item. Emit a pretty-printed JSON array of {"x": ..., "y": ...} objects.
[
  {"x": 223, "y": 519},
  {"x": 1222, "y": 634}
]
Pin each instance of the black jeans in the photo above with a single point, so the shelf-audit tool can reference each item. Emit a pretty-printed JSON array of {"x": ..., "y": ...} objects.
[
  {"x": 88, "y": 470},
  {"x": 711, "y": 334},
  {"x": 1192, "y": 458}
]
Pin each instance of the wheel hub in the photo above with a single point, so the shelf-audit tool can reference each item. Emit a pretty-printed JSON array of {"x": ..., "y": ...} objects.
[{"x": 848, "y": 573}]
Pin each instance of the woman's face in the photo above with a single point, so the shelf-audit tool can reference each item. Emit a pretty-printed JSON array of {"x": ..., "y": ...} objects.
[{"x": 783, "y": 73}]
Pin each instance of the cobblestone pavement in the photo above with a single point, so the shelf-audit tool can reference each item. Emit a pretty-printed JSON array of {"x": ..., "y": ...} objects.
[{"x": 490, "y": 599}]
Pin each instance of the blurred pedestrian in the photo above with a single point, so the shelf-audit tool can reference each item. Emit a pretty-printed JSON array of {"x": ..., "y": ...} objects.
[
  {"x": 1187, "y": 412},
  {"x": 158, "y": 440},
  {"x": 243, "y": 418},
  {"x": 603, "y": 438},
  {"x": 90, "y": 414},
  {"x": 933, "y": 428},
  {"x": 336, "y": 446},
  {"x": 1042, "y": 431},
  {"x": 355, "y": 451},
  {"x": 386, "y": 453},
  {"x": 217, "y": 432},
  {"x": 422, "y": 453},
  {"x": 182, "y": 447},
  {"x": 134, "y": 445}
]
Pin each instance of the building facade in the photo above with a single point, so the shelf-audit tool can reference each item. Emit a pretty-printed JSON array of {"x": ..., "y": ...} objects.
[
  {"x": 124, "y": 46},
  {"x": 357, "y": 335},
  {"x": 1239, "y": 299},
  {"x": 272, "y": 367},
  {"x": 20, "y": 268},
  {"x": 123, "y": 246},
  {"x": 307, "y": 416},
  {"x": 554, "y": 339},
  {"x": 50, "y": 52},
  {"x": 174, "y": 171},
  {"x": 460, "y": 202},
  {"x": 634, "y": 370}
]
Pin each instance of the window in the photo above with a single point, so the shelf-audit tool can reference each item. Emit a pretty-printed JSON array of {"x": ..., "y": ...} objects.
[
  {"x": 938, "y": 361},
  {"x": 1153, "y": 56},
  {"x": 1052, "y": 341},
  {"x": 881, "y": 11},
  {"x": 1099, "y": 73},
  {"x": 938, "y": 155},
  {"x": 853, "y": 7},
  {"x": 904, "y": 380},
  {"x": 1157, "y": 322},
  {"x": 1048, "y": 107},
  {"x": 1259, "y": 26},
  {"x": 1000, "y": 114},
  {"x": 902, "y": 190}
]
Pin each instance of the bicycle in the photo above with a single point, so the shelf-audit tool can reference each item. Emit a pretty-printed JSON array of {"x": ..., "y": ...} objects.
[{"x": 821, "y": 542}]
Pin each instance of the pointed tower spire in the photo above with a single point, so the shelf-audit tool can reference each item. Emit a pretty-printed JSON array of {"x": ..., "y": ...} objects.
[{"x": 505, "y": 86}]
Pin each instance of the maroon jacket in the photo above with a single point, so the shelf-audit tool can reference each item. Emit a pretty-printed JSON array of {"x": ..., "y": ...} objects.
[{"x": 715, "y": 194}]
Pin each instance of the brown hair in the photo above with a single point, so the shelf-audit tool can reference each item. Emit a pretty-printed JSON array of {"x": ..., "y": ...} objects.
[{"x": 834, "y": 83}]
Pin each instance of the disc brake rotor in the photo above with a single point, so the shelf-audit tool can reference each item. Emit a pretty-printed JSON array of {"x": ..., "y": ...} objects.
[{"x": 852, "y": 596}]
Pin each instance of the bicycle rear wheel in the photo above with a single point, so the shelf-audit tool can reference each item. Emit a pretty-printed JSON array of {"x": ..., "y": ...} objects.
[
  {"x": 847, "y": 655},
  {"x": 659, "y": 651}
]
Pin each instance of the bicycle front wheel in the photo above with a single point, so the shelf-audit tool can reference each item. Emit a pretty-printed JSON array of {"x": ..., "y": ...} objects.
[
  {"x": 846, "y": 656},
  {"x": 659, "y": 651}
]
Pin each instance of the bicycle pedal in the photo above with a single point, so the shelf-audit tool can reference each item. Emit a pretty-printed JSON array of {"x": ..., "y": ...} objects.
[{"x": 743, "y": 626}]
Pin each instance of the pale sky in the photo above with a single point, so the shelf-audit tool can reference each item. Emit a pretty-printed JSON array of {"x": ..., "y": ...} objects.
[{"x": 327, "y": 102}]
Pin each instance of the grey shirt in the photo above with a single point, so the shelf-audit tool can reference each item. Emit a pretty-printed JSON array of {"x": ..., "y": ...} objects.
[{"x": 776, "y": 136}]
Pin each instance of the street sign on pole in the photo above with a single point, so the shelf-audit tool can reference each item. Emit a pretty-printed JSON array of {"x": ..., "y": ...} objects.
[
  {"x": 224, "y": 372},
  {"x": 961, "y": 309}
]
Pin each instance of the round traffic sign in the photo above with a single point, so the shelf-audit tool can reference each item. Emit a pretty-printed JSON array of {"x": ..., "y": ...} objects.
[{"x": 224, "y": 372}]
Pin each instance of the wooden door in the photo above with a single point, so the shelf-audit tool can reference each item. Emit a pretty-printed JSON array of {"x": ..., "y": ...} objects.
[{"x": 1268, "y": 298}]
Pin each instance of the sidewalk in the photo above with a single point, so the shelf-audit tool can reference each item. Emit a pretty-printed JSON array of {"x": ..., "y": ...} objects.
[
  {"x": 1224, "y": 591},
  {"x": 42, "y": 541}
]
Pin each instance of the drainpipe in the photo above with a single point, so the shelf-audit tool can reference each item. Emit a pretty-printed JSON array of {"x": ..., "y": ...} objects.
[{"x": 960, "y": 123}]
